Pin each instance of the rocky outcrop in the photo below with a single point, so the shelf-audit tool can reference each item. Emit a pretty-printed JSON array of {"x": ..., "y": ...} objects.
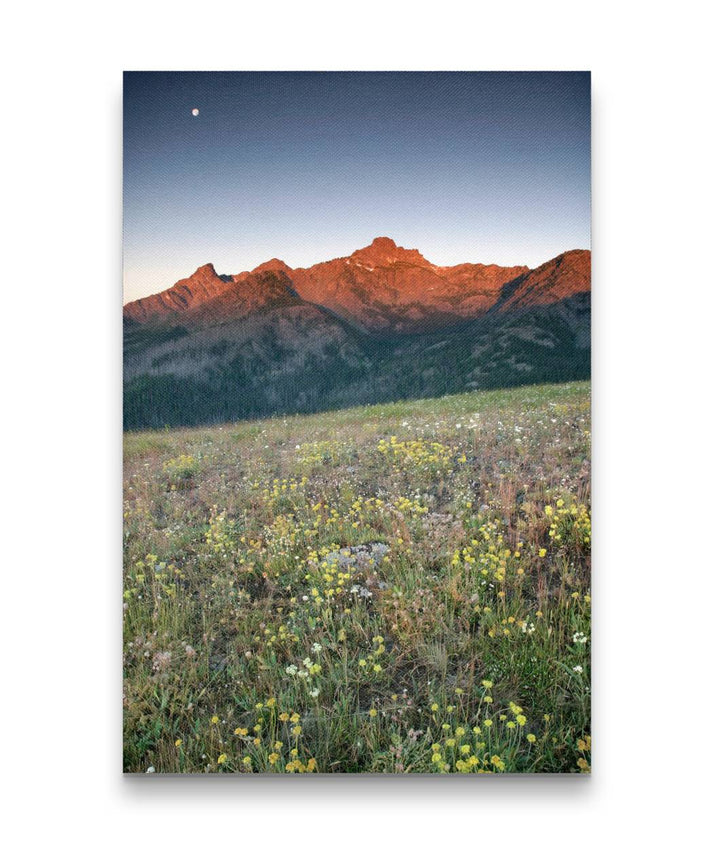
[
  {"x": 201, "y": 287},
  {"x": 381, "y": 289},
  {"x": 564, "y": 276}
]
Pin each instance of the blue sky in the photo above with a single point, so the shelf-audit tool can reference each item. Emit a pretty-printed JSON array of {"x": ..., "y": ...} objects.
[{"x": 479, "y": 167}]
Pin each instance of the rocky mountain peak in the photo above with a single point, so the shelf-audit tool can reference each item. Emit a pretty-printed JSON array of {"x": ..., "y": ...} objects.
[{"x": 384, "y": 251}]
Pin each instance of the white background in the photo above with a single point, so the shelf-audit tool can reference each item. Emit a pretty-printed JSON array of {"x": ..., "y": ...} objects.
[{"x": 655, "y": 284}]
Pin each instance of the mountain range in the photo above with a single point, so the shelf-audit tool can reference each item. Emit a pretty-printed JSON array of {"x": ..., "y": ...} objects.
[{"x": 380, "y": 324}]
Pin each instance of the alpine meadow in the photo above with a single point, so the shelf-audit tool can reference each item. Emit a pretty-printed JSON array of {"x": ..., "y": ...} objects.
[{"x": 357, "y": 482}]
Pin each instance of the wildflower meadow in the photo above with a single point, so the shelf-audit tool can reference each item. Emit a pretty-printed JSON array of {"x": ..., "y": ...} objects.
[{"x": 399, "y": 588}]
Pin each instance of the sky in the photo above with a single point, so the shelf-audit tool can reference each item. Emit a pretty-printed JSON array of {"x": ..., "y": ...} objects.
[{"x": 490, "y": 167}]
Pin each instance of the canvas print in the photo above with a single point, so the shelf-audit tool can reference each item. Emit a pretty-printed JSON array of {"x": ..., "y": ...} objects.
[{"x": 356, "y": 391}]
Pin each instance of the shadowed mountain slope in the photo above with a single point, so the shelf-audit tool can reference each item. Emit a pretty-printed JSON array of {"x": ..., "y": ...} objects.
[{"x": 379, "y": 324}]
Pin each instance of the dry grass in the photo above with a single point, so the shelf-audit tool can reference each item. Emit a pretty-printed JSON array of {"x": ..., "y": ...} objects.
[{"x": 257, "y": 640}]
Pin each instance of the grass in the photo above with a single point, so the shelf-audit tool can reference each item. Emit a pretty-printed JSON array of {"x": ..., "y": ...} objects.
[{"x": 400, "y": 588}]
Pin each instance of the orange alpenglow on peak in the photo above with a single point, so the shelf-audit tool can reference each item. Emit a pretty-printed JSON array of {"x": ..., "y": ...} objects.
[
  {"x": 272, "y": 264},
  {"x": 379, "y": 288},
  {"x": 197, "y": 289},
  {"x": 383, "y": 245},
  {"x": 384, "y": 251},
  {"x": 207, "y": 268}
]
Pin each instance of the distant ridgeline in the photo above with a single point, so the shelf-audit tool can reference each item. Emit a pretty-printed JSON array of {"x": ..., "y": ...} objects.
[{"x": 379, "y": 325}]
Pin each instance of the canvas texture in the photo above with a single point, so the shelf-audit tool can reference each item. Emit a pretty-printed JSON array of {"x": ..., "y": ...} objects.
[{"x": 357, "y": 340}]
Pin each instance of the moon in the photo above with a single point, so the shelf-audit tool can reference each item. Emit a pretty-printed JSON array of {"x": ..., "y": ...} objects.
[{"x": 195, "y": 111}]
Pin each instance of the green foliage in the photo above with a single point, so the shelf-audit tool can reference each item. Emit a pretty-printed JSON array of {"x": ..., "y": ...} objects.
[
  {"x": 272, "y": 378},
  {"x": 179, "y": 471},
  {"x": 396, "y": 588}
]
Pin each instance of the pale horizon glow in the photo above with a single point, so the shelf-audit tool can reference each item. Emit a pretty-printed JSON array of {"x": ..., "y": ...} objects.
[{"x": 490, "y": 168}]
